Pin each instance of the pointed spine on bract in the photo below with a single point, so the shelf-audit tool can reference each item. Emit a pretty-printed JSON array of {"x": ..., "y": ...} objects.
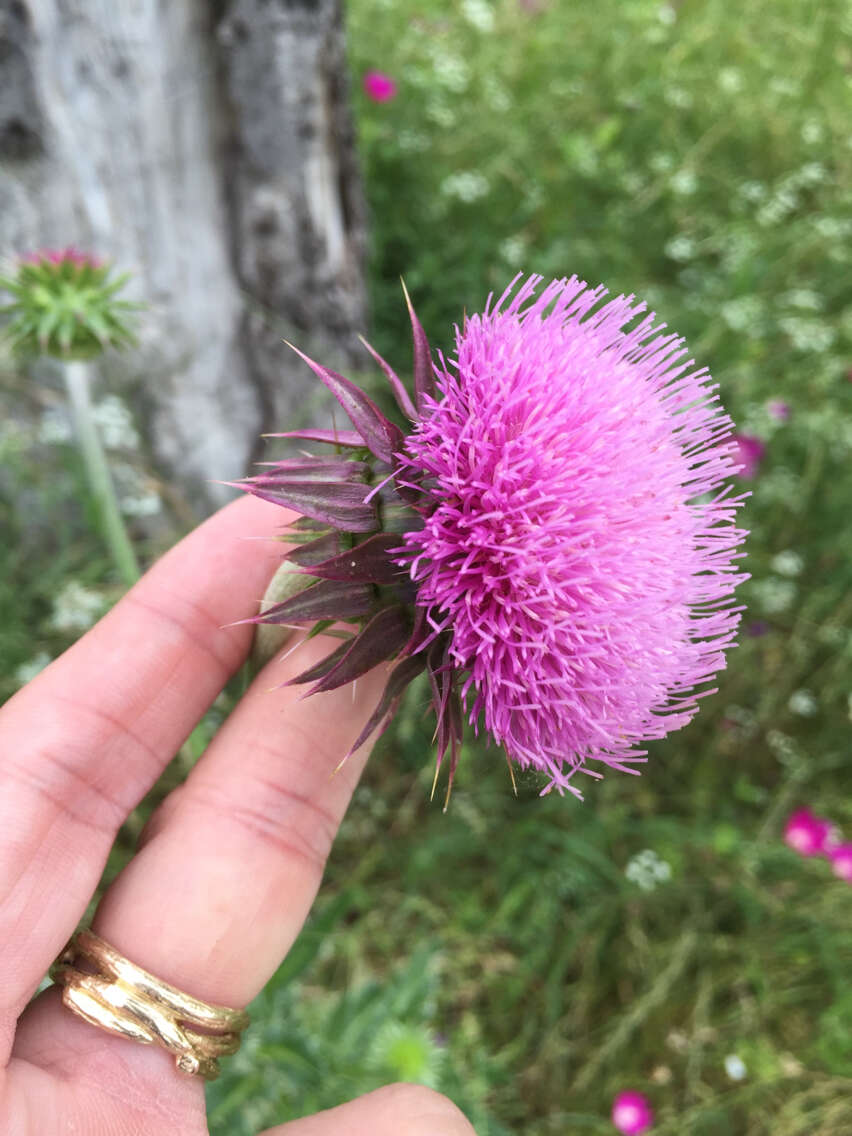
[{"x": 354, "y": 508}]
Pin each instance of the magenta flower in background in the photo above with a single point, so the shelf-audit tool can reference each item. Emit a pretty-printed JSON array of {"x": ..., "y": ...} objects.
[
  {"x": 749, "y": 454},
  {"x": 631, "y": 1113},
  {"x": 841, "y": 861},
  {"x": 379, "y": 87},
  {"x": 557, "y": 545},
  {"x": 778, "y": 409},
  {"x": 807, "y": 834}
]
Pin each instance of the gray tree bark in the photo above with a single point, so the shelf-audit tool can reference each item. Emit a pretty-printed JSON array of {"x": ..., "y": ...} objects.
[{"x": 206, "y": 146}]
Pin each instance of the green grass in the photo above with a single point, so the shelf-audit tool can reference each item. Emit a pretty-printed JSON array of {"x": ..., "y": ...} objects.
[{"x": 701, "y": 157}]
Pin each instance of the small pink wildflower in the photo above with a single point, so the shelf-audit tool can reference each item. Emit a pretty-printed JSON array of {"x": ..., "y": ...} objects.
[
  {"x": 632, "y": 1113},
  {"x": 750, "y": 451},
  {"x": 841, "y": 861},
  {"x": 778, "y": 409},
  {"x": 807, "y": 834},
  {"x": 379, "y": 87}
]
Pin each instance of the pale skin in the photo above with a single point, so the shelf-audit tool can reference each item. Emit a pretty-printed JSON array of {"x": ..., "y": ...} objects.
[{"x": 226, "y": 870}]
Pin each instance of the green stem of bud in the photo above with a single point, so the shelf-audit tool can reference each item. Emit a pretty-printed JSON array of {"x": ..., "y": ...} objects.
[
  {"x": 76, "y": 376},
  {"x": 269, "y": 639}
]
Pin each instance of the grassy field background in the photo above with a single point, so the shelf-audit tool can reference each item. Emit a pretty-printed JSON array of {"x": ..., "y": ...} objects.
[{"x": 532, "y": 957}]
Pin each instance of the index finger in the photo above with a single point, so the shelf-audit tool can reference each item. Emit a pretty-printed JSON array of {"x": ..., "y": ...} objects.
[{"x": 84, "y": 741}]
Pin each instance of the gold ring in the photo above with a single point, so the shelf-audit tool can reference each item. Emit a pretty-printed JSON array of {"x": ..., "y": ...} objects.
[{"x": 120, "y": 997}]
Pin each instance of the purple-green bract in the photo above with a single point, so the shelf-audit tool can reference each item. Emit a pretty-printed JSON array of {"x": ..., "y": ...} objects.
[{"x": 563, "y": 520}]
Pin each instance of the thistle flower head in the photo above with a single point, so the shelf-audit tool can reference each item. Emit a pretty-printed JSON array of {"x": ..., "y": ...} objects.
[
  {"x": 560, "y": 514},
  {"x": 64, "y": 304},
  {"x": 563, "y": 541}
]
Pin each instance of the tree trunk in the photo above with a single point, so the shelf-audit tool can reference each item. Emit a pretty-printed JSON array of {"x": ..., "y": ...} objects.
[{"x": 206, "y": 147}]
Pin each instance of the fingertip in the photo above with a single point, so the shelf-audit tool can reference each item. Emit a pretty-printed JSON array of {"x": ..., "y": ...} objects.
[{"x": 395, "y": 1110}]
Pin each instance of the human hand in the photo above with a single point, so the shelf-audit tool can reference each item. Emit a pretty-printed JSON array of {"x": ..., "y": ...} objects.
[{"x": 227, "y": 867}]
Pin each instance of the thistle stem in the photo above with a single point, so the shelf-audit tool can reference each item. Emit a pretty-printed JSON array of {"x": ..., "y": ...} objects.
[{"x": 76, "y": 376}]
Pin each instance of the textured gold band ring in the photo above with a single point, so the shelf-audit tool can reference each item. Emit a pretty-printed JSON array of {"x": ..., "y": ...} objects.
[{"x": 118, "y": 996}]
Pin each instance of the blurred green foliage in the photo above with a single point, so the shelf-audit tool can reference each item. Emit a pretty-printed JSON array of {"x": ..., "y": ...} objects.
[{"x": 522, "y": 954}]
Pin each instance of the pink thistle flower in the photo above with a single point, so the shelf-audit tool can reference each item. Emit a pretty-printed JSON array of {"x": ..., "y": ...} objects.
[
  {"x": 379, "y": 87},
  {"x": 749, "y": 454},
  {"x": 841, "y": 861},
  {"x": 631, "y": 1113},
  {"x": 584, "y": 584},
  {"x": 778, "y": 409},
  {"x": 553, "y": 540},
  {"x": 807, "y": 834}
]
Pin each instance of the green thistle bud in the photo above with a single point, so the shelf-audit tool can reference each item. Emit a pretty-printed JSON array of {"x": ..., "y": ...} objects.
[{"x": 64, "y": 305}]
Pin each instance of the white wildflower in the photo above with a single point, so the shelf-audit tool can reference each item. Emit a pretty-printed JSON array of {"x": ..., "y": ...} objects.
[
  {"x": 730, "y": 80},
  {"x": 55, "y": 427},
  {"x": 662, "y": 162},
  {"x": 803, "y": 703},
  {"x": 787, "y": 563},
  {"x": 28, "y": 670},
  {"x": 753, "y": 190},
  {"x": 513, "y": 250},
  {"x": 137, "y": 493},
  {"x": 479, "y": 14},
  {"x": 680, "y": 248},
  {"x": 684, "y": 182},
  {"x": 115, "y": 424},
  {"x": 735, "y": 1067},
  {"x": 451, "y": 72},
  {"x": 647, "y": 870},
  {"x": 466, "y": 185},
  {"x": 76, "y": 608},
  {"x": 806, "y": 299},
  {"x": 678, "y": 97},
  {"x": 414, "y": 141},
  {"x": 438, "y": 112},
  {"x": 808, "y": 334},
  {"x": 774, "y": 595}
]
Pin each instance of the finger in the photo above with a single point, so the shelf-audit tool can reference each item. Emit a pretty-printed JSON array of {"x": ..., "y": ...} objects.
[
  {"x": 217, "y": 895},
  {"x": 395, "y": 1110},
  {"x": 85, "y": 740}
]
